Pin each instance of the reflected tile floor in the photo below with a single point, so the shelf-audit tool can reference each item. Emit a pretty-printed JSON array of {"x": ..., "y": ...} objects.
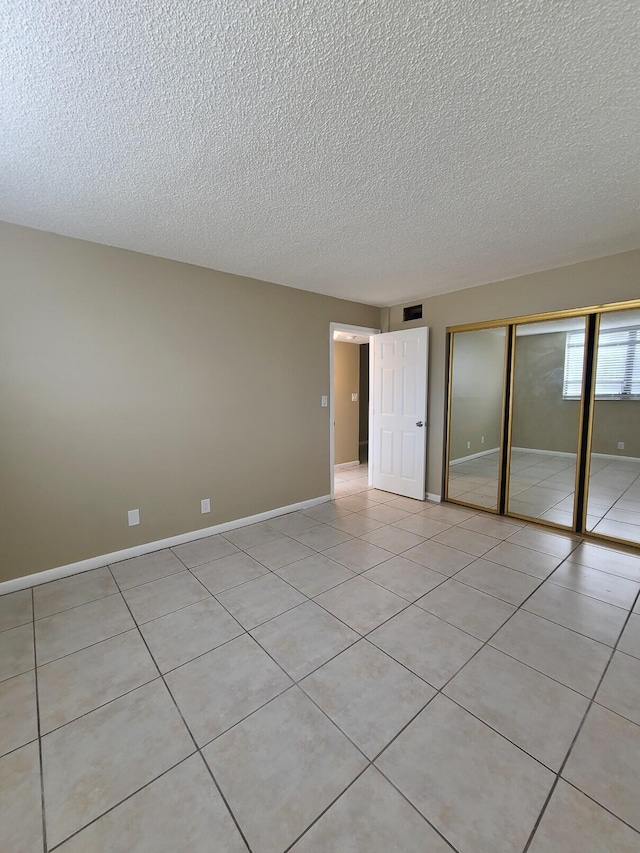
[
  {"x": 542, "y": 487},
  {"x": 441, "y": 680}
]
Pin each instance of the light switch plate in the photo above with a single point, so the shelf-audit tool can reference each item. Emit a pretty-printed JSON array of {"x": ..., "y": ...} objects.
[
  {"x": 324, "y": 401},
  {"x": 134, "y": 517},
  {"x": 354, "y": 398}
]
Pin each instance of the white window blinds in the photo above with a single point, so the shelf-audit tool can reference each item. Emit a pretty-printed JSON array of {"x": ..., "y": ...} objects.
[{"x": 618, "y": 364}]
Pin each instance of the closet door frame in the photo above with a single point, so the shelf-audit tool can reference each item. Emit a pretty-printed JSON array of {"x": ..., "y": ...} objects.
[{"x": 592, "y": 315}]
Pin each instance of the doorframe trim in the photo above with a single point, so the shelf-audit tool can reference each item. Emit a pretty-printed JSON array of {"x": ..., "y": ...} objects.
[{"x": 354, "y": 330}]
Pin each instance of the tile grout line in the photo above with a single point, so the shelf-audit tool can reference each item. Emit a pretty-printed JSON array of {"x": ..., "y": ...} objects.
[
  {"x": 325, "y": 810},
  {"x": 414, "y": 807},
  {"x": 22, "y": 624},
  {"x": 103, "y": 705},
  {"x": 612, "y": 507},
  {"x": 35, "y": 676},
  {"x": 74, "y": 606},
  {"x": 600, "y": 805},
  {"x": 90, "y": 645},
  {"x": 593, "y": 597},
  {"x": 592, "y": 701},
  {"x": 119, "y": 803},
  {"x": 340, "y": 795},
  {"x": 197, "y": 748}
]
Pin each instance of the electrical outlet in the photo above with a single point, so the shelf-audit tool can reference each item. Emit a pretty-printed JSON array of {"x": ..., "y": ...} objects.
[
  {"x": 482, "y": 440},
  {"x": 134, "y": 517},
  {"x": 468, "y": 445},
  {"x": 621, "y": 445},
  {"x": 324, "y": 401},
  {"x": 354, "y": 398},
  {"x": 205, "y": 505}
]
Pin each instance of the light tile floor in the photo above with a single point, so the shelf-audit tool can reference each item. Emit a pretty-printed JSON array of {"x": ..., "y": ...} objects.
[
  {"x": 433, "y": 679},
  {"x": 542, "y": 486}
]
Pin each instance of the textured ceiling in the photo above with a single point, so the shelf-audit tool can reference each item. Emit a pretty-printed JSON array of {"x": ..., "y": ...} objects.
[{"x": 369, "y": 149}]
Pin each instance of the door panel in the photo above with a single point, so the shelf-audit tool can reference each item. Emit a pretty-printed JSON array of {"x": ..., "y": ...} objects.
[
  {"x": 545, "y": 432},
  {"x": 398, "y": 455},
  {"x": 387, "y": 395},
  {"x": 476, "y": 399},
  {"x": 386, "y": 453},
  {"x": 613, "y": 503}
]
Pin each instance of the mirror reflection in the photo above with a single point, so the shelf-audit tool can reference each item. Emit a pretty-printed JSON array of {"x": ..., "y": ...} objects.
[
  {"x": 547, "y": 389},
  {"x": 477, "y": 391},
  {"x": 613, "y": 502}
]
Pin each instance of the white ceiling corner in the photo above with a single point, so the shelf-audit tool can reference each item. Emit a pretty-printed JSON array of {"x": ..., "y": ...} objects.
[{"x": 370, "y": 150}]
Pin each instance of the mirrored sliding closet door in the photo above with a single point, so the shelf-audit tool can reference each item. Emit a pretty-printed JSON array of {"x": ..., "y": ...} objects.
[
  {"x": 476, "y": 410},
  {"x": 613, "y": 497},
  {"x": 548, "y": 370}
]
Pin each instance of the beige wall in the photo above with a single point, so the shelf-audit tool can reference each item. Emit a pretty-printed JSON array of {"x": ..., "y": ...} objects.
[
  {"x": 543, "y": 420},
  {"x": 346, "y": 380},
  {"x": 130, "y": 381},
  {"x": 611, "y": 279},
  {"x": 477, "y": 392},
  {"x": 614, "y": 421}
]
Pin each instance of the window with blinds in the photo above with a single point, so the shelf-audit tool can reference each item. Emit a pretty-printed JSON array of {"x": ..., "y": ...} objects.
[{"x": 618, "y": 364}]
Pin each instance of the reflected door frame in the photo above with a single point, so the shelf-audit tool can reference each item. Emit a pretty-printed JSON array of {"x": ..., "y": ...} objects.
[{"x": 450, "y": 343}]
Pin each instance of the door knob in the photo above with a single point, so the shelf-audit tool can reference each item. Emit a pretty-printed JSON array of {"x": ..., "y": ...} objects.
[{"x": 419, "y": 423}]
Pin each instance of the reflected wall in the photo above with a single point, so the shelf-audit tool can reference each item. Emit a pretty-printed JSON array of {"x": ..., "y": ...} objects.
[
  {"x": 475, "y": 416},
  {"x": 545, "y": 426}
]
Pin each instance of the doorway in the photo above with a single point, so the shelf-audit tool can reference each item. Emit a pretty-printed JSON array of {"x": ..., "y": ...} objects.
[{"x": 349, "y": 409}]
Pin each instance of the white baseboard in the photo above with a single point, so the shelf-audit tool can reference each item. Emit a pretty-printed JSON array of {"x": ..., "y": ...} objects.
[
  {"x": 473, "y": 456},
  {"x": 139, "y": 550},
  {"x": 537, "y": 452},
  {"x": 614, "y": 457},
  {"x": 434, "y": 498},
  {"x": 353, "y": 464}
]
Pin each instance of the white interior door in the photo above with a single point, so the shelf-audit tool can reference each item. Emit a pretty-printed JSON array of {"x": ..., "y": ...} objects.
[{"x": 399, "y": 412}]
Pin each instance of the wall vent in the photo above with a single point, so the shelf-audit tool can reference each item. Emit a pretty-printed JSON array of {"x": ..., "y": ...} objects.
[{"x": 413, "y": 312}]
